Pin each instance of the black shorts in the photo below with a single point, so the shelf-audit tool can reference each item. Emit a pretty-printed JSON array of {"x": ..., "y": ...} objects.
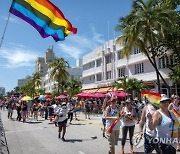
[
  {"x": 149, "y": 146},
  {"x": 63, "y": 122},
  {"x": 104, "y": 122}
]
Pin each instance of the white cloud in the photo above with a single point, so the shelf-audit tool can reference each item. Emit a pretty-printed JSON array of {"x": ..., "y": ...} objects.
[
  {"x": 77, "y": 45},
  {"x": 11, "y": 19},
  {"x": 18, "y": 56}
]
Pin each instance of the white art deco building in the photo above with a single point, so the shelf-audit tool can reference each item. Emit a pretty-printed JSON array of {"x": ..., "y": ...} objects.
[{"x": 106, "y": 64}]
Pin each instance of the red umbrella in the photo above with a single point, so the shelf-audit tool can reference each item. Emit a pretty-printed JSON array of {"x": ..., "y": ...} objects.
[
  {"x": 99, "y": 95},
  {"x": 61, "y": 97},
  {"x": 85, "y": 95},
  {"x": 123, "y": 94},
  {"x": 48, "y": 96}
]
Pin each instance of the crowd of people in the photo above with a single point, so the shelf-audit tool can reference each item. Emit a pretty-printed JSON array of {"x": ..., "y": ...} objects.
[{"x": 155, "y": 123}]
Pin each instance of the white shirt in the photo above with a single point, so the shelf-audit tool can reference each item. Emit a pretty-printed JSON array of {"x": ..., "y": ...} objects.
[{"x": 62, "y": 114}]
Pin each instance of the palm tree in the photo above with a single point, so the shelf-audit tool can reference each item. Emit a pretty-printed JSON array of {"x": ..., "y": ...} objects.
[
  {"x": 121, "y": 83},
  {"x": 175, "y": 74},
  {"x": 59, "y": 72},
  {"x": 142, "y": 27},
  {"x": 130, "y": 85},
  {"x": 36, "y": 83},
  {"x": 74, "y": 87}
]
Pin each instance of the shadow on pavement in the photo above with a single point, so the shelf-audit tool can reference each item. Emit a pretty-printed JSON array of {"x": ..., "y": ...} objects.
[
  {"x": 77, "y": 124},
  {"x": 33, "y": 122},
  {"x": 80, "y": 140},
  {"x": 137, "y": 153},
  {"x": 73, "y": 140}
]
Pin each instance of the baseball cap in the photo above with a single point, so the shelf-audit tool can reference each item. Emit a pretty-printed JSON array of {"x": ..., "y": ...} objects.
[
  {"x": 164, "y": 97},
  {"x": 63, "y": 104}
]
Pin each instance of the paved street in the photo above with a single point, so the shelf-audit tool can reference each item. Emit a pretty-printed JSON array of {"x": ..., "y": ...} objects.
[{"x": 41, "y": 137}]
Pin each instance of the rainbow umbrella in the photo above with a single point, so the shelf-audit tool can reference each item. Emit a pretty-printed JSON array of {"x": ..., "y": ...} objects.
[{"x": 26, "y": 98}]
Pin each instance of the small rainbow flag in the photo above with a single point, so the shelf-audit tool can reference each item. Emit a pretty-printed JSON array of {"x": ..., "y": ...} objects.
[
  {"x": 153, "y": 97},
  {"x": 44, "y": 16},
  {"x": 77, "y": 108},
  {"x": 114, "y": 122},
  {"x": 176, "y": 113}
]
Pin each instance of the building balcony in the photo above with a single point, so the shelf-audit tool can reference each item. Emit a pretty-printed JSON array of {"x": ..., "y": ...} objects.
[
  {"x": 133, "y": 59},
  {"x": 92, "y": 71}
]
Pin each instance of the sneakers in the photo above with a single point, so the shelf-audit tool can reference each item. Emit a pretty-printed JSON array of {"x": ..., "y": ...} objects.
[
  {"x": 104, "y": 135},
  {"x": 63, "y": 139},
  {"x": 122, "y": 152},
  {"x": 132, "y": 151}
]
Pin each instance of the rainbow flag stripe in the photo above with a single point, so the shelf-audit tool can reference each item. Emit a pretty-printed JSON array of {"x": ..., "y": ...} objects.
[
  {"x": 44, "y": 16},
  {"x": 176, "y": 113},
  {"x": 77, "y": 108},
  {"x": 153, "y": 97},
  {"x": 114, "y": 122}
]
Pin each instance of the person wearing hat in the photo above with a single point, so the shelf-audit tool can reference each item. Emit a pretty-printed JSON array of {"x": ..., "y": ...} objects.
[
  {"x": 111, "y": 114},
  {"x": 167, "y": 126},
  {"x": 129, "y": 116},
  {"x": 62, "y": 120}
]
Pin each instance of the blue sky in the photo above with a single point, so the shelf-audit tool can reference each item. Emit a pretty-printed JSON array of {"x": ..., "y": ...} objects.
[{"x": 23, "y": 44}]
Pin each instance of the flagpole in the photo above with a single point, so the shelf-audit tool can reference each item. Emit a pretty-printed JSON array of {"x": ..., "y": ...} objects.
[{"x": 4, "y": 30}]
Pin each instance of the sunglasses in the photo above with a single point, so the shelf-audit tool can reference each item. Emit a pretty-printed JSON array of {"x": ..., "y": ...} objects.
[{"x": 166, "y": 102}]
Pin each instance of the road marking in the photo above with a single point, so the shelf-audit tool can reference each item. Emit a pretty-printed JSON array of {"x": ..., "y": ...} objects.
[
  {"x": 23, "y": 130},
  {"x": 80, "y": 152}
]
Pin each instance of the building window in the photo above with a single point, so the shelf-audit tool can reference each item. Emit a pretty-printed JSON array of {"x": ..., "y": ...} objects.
[
  {"x": 136, "y": 51},
  {"x": 108, "y": 59},
  {"x": 99, "y": 77},
  {"x": 98, "y": 62},
  {"x": 171, "y": 59},
  {"x": 164, "y": 62},
  {"x": 108, "y": 75},
  {"x": 121, "y": 72},
  {"x": 120, "y": 55},
  {"x": 139, "y": 68}
]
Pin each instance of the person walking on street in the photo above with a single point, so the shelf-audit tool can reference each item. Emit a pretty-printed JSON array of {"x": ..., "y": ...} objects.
[
  {"x": 62, "y": 120},
  {"x": 149, "y": 135},
  {"x": 18, "y": 108},
  {"x": 167, "y": 127},
  {"x": 175, "y": 105},
  {"x": 10, "y": 109},
  {"x": 129, "y": 117},
  {"x": 112, "y": 113}
]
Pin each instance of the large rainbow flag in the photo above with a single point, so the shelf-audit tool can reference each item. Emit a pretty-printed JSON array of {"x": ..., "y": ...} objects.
[
  {"x": 153, "y": 97},
  {"x": 44, "y": 16}
]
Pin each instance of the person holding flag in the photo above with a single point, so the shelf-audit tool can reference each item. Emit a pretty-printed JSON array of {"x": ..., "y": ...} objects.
[
  {"x": 149, "y": 135},
  {"x": 112, "y": 116},
  {"x": 167, "y": 125}
]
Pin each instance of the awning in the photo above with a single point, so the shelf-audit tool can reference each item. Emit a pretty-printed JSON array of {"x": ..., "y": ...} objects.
[
  {"x": 90, "y": 90},
  {"x": 115, "y": 89},
  {"x": 150, "y": 83},
  {"x": 104, "y": 90},
  {"x": 85, "y": 91}
]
